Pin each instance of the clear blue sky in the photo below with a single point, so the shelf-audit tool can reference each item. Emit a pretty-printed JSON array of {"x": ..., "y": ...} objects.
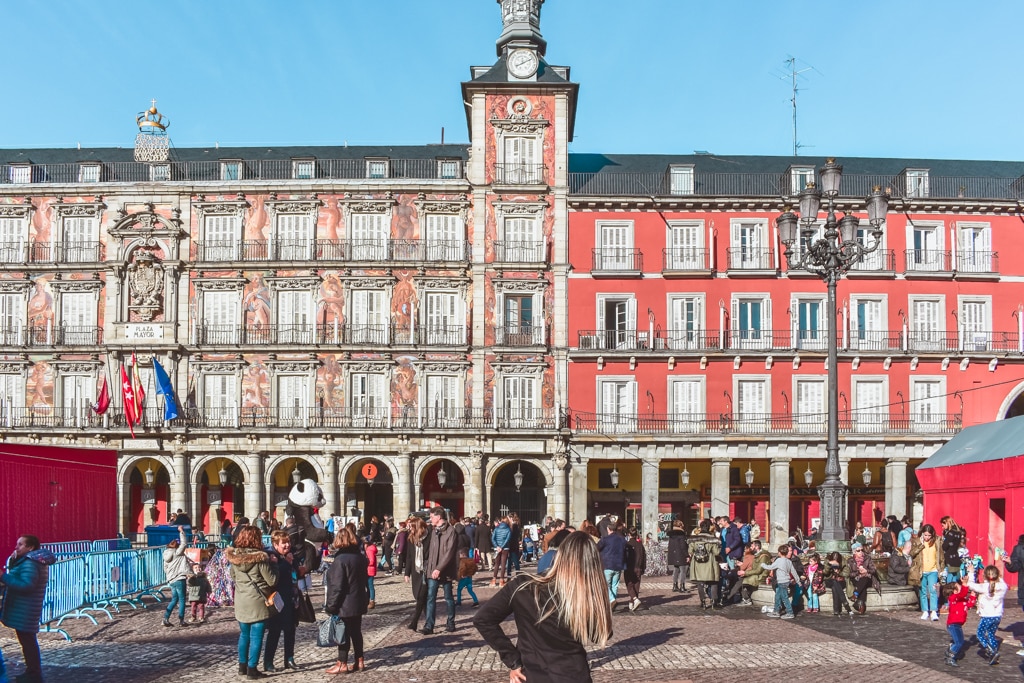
[{"x": 915, "y": 78}]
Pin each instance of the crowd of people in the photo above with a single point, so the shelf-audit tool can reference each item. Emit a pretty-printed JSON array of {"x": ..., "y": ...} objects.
[{"x": 567, "y": 600}]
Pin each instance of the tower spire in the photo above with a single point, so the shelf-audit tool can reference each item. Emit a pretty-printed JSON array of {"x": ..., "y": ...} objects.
[{"x": 521, "y": 25}]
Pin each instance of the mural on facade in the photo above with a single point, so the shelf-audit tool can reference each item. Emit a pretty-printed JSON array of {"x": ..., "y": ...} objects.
[
  {"x": 405, "y": 224},
  {"x": 256, "y": 220},
  {"x": 330, "y": 309},
  {"x": 39, "y": 386},
  {"x": 41, "y": 315},
  {"x": 404, "y": 388},
  {"x": 542, "y": 109},
  {"x": 256, "y": 384},
  {"x": 329, "y": 377},
  {"x": 256, "y": 302},
  {"x": 40, "y": 230}
]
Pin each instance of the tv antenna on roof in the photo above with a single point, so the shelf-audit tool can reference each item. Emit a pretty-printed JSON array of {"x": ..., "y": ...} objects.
[{"x": 791, "y": 75}]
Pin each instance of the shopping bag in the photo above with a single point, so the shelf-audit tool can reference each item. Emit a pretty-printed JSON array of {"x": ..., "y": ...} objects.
[{"x": 330, "y": 632}]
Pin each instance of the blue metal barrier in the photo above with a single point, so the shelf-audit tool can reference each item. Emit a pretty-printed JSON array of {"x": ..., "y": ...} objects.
[
  {"x": 152, "y": 580},
  {"x": 110, "y": 544},
  {"x": 112, "y": 576},
  {"x": 68, "y": 548},
  {"x": 65, "y": 595}
]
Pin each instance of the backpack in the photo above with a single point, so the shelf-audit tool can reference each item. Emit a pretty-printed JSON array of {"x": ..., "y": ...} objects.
[
  {"x": 887, "y": 543},
  {"x": 745, "y": 533},
  {"x": 701, "y": 554}
]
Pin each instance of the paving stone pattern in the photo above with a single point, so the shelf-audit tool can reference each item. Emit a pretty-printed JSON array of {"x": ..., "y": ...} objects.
[{"x": 668, "y": 639}]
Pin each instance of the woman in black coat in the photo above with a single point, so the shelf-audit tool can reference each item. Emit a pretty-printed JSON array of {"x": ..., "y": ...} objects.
[
  {"x": 348, "y": 598},
  {"x": 678, "y": 555},
  {"x": 417, "y": 545}
]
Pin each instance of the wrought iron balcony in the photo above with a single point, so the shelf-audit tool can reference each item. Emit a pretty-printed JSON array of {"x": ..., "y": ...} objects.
[
  {"x": 782, "y": 424},
  {"x": 46, "y": 252},
  {"x": 774, "y": 185},
  {"x": 883, "y": 260},
  {"x": 617, "y": 260},
  {"x": 61, "y": 335},
  {"x": 977, "y": 262},
  {"x": 374, "y": 334},
  {"x": 519, "y": 335},
  {"x": 520, "y": 252},
  {"x": 750, "y": 259},
  {"x": 928, "y": 261},
  {"x": 682, "y": 259},
  {"x": 519, "y": 174},
  {"x": 370, "y": 250}
]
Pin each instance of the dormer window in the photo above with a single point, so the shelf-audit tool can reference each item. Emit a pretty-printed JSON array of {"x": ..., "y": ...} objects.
[
  {"x": 917, "y": 182},
  {"x": 20, "y": 173},
  {"x": 160, "y": 172},
  {"x": 303, "y": 169},
  {"x": 89, "y": 173},
  {"x": 680, "y": 179},
  {"x": 799, "y": 176},
  {"x": 231, "y": 170},
  {"x": 448, "y": 169},
  {"x": 376, "y": 168}
]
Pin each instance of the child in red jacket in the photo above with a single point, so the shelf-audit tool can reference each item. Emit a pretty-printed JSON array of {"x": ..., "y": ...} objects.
[{"x": 960, "y": 600}]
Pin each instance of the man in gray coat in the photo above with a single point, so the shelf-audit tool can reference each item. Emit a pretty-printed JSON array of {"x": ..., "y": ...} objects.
[{"x": 441, "y": 567}]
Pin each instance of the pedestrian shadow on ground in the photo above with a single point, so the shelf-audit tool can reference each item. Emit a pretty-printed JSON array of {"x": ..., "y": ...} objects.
[{"x": 643, "y": 641}]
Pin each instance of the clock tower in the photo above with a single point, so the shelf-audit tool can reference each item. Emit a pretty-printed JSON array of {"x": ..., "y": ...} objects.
[{"x": 520, "y": 111}]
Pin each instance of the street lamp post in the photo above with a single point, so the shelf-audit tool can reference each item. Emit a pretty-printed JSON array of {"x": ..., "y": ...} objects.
[{"x": 829, "y": 257}]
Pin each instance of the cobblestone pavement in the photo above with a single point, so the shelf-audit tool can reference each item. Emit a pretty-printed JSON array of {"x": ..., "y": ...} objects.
[{"x": 668, "y": 639}]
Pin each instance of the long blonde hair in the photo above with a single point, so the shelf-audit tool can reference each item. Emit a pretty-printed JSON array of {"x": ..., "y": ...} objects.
[{"x": 577, "y": 593}]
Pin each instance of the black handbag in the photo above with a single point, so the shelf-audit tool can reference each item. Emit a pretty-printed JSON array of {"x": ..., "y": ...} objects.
[{"x": 304, "y": 611}]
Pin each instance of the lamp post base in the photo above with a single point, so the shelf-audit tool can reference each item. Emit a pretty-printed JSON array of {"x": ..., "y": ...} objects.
[{"x": 825, "y": 547}]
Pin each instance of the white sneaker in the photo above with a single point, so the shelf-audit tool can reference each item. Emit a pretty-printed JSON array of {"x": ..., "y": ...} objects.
[
  {"x": 935, "y": 616},
  {"x": 924, "y": 616},
  {"x": 633, "y": 605}
]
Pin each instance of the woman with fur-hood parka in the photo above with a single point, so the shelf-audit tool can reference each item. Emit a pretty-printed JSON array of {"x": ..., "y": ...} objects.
[{"x": 254, "y": 578}]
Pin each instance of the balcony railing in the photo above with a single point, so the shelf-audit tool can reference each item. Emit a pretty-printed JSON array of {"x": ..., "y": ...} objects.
[
  {"x": 519, "y": 335},
  {"x": 765, "y": 423},
  {"x": 372, "y": 334},
  {"x": 61, "y": 252},
  {"x": 856, "y": 341},
  {"x": 877, "y": 261},
  {"x": 776, "y": 185},
  {"x": 977, "y": 262},
  {"x": 750, "y": 259},
  {"x": 519, "y": 252},
  {"x": 333, "y": 250},
  {"x": 211, "y": 171},
  {"x": 519, "y": 174},
  {"x": 617, "y": 259},
  {"x": 928, "y": 261},
  {"x": 684, "y": 258},
  {"x": 60, "y": 335}
]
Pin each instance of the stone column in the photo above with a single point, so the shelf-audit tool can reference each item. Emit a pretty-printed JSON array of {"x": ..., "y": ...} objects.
[
  {"x": 720, "y": 486},
  {"x": 124, "y": 508},
  {"x": 179, "y": 480},
  {"x": 844, "y": 470},
  {"x": 473, "y": 493},
  {"x": 778, "y": 502},
  {"x": 578, "y": 505},
  {"x": 402, "y": 489},
  {"x": 329, "y": 465},
  {"x": 649, "y": 496},
  {"x": 254, "y": 487},
  {"x": 558, "y": 502},
  {"x": 896, "y": 487}
]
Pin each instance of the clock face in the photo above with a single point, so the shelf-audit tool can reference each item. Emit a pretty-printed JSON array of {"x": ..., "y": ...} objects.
[{"x": 522, "y": 63}]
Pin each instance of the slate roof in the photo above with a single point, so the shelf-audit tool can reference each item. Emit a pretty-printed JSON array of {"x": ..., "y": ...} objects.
[
  {"x": 981, "y": 443},
  {"x": 269, "y": 152},
  {"x": 711, "y": 163},
  {"x": 499, "y": 74}
]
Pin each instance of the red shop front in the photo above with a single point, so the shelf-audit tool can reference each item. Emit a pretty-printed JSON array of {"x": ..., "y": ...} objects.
[{"x": 977, "y": 478}]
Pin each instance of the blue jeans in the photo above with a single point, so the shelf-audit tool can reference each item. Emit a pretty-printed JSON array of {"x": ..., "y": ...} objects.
[
  {"x": 930, "y": 592},
  {"x": 177, "y": 598},
  {"x": 612, "y": 577},
  {"x": 250, "y": 642},
  {"x": 956, "y": 634},
  {"x": 465, "y": 584},
  {"x": 812, "y": 600},
  {"x": 449, "y": 601},
  {"x": 369, "y": 587},
  {"x": 782, "y": 598}
]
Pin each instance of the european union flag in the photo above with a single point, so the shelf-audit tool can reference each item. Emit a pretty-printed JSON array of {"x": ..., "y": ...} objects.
[{"x": 164, "y": 388}]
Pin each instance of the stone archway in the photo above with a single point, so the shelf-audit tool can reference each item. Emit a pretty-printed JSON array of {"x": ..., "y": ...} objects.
[
  {"x": 528, "y": 499},
  {"x": 1013, "y": 405},
  {"x": 442, "y": 483},
  {"x": 374, "y": 498},
  {"x": 149, "y": 493}
]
